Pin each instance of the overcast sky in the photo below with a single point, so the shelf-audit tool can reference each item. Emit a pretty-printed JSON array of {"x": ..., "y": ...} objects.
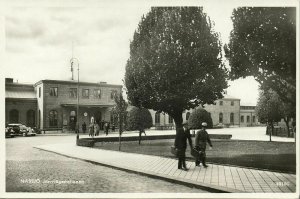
[{"x": 39, "y": 43}]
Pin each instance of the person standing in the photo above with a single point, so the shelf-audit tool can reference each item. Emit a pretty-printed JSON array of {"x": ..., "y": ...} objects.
[
  {"x": 91, "y": 129},
  {"x": 84, "y": 127},
  {"x": 106, "y": 128},
  {"x": 96, "y": 129},
  {"x": 182, "y": 135},
  {"x": 200, "y": 144}
]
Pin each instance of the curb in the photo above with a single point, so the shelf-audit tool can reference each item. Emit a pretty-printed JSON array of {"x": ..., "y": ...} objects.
[{"x": 210, "y": 188}]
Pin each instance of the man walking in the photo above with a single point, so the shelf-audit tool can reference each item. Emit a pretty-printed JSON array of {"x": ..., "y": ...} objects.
[
  {"x": 200, "y": 143},
  {"x": 182, "y": 136}
]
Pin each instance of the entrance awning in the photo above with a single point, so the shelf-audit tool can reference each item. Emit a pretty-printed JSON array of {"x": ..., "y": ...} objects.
[{"x": 89, "y": 105}]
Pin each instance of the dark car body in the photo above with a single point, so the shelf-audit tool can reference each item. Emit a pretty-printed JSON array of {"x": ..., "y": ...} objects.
[{"x": 20, "y": 129}]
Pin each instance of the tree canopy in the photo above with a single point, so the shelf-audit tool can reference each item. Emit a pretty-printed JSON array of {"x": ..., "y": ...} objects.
[
  {"x": 175, "y": 62},
  {"x": 269, "y": 107},
  {"x": 139, "y": 119},
  {"x": 197, "y": 117},
  {"x": 263, "y": 44}
]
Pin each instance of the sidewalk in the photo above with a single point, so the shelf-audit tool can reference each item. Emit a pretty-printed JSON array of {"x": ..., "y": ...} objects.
[{"x": 216, "y": 178}]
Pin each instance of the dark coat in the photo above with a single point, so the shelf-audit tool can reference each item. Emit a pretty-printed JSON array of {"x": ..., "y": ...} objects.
[
  {"x": 182, "y": 136},
  {"x": 201, "y": 138}
]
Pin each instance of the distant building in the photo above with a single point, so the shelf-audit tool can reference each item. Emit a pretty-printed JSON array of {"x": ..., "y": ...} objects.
[
  {"x": 52, "y": 103},
  {"x": 225, "y": 112},
  {"x": 248, "y": 116}
]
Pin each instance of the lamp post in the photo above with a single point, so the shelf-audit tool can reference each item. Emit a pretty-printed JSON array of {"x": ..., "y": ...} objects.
[{"x": 77, "y": 114}]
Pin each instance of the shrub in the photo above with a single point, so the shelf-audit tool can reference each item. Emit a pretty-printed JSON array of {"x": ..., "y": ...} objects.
[
  {"x": 197, "y": 117},
  {"x": 139, "y": 119}
]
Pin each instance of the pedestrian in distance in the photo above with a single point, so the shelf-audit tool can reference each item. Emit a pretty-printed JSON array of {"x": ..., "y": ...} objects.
[
  {"x": 96, "y": 129},
  {"x": 83, "y": 127},
  {"x": 201, "y": 139},
  {"x": 142, "y": 130},
  {"x": 106, "y": 128},
  {"x": 182, "y": 136},
  {"x": 91, "y": 129}
]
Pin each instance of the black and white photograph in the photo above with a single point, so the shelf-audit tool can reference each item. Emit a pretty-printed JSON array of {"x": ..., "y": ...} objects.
[{"x": 149, "y": 99}]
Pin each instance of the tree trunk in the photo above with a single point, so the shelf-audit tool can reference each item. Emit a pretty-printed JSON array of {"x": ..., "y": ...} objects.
[
  {"x": 287, "y": 120},
  {"x": 177, "y": 119},
  {"x": 271, "y": 132}
]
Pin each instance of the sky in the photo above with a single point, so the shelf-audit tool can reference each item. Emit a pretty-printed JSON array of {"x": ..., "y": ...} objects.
[{"x": 38, "y": 43}]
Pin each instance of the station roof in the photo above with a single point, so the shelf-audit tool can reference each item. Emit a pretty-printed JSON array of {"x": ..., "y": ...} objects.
[{"x": 23, "y": 94}]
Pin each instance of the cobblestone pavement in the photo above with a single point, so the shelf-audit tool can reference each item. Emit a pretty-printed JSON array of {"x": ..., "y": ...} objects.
[{"x": 31, "y": 170}]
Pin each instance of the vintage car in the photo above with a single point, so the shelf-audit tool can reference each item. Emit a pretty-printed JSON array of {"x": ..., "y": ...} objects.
[
  {"x": 9, "y": 133},
  {"x": 21, "y": 129}
]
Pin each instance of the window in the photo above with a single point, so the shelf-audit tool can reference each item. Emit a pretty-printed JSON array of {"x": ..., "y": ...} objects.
[
  {"x": 253, "y": 119},
  {"x": 232, "y": 118},
  {"x": 232, "y": 103},
  {"x": 53, "y": 118},
  {"x": 112, "y": 94},
  {"x": 85, "y": 93},
  {"x": 187, "y": 115},
  {"x": 157, "y": 118},
  {"x": 170, "y": 120},
  {"x": 221, "y": 103},
  {"x": 40, "y": 90},
  {"x": 248, "y": 119},
  {"x": 97, "y": 93},
  {"x": 221, "y": 118},
  {"x": 73, "y": 93},
  {"x": 53, "y": 91},
  {"x": 242, "y": 119}
]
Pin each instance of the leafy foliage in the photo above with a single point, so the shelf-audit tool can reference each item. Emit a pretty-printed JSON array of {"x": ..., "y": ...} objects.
[
  {"x": 263, "y": 44},
  {"x": 197, "y": 117},
  {"x": 139, "y": 119},
  {"x": 269, "y": 107},
  {"x": 175, "y": 62},
  {"x": 119, "y": 110}
]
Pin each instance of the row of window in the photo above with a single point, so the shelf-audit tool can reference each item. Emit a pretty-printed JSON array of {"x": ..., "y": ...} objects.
[
  {"x": 248, "y": 119},
  {"x": 221, "y": 103},
  {"x": 85, "y": 93},
  {"x": 247, "y": 107},
  {"x": 30, "y": 117},
  {"x": 231, "y": 118}
]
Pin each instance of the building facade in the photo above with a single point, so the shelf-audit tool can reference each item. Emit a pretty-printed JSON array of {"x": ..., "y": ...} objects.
[
  {"x": 248, "y": 116},
  {"x": 225, "y": 112},
  {"x": 56, "y": 103},
  {"x": 20, "y": 103}
]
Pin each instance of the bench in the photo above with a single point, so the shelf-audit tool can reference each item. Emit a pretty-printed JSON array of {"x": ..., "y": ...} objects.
[{"x": 166, "y": 127}]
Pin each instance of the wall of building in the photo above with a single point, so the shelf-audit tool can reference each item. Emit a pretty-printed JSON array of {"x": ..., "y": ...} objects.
[
  {"x": 63, "y": 89},
  {"x": 22, "y": 106},
  {"x": 226, "y": 109}
]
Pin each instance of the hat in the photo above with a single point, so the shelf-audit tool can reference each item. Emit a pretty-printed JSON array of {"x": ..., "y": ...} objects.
[{"x": 204, "y": 124}]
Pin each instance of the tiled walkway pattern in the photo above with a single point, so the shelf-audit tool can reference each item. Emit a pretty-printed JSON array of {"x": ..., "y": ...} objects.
[{"x": 224, "y": 178}]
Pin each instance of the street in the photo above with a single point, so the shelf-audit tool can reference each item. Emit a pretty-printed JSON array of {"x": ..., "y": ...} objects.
[{"x": 32, "y": 170}]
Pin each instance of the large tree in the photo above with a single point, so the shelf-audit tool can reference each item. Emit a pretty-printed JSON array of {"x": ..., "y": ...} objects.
[
  {"x": 175, "y": 62},
  {"x": 268, "y": 109},
  {"x": 263, "y": 44}
]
